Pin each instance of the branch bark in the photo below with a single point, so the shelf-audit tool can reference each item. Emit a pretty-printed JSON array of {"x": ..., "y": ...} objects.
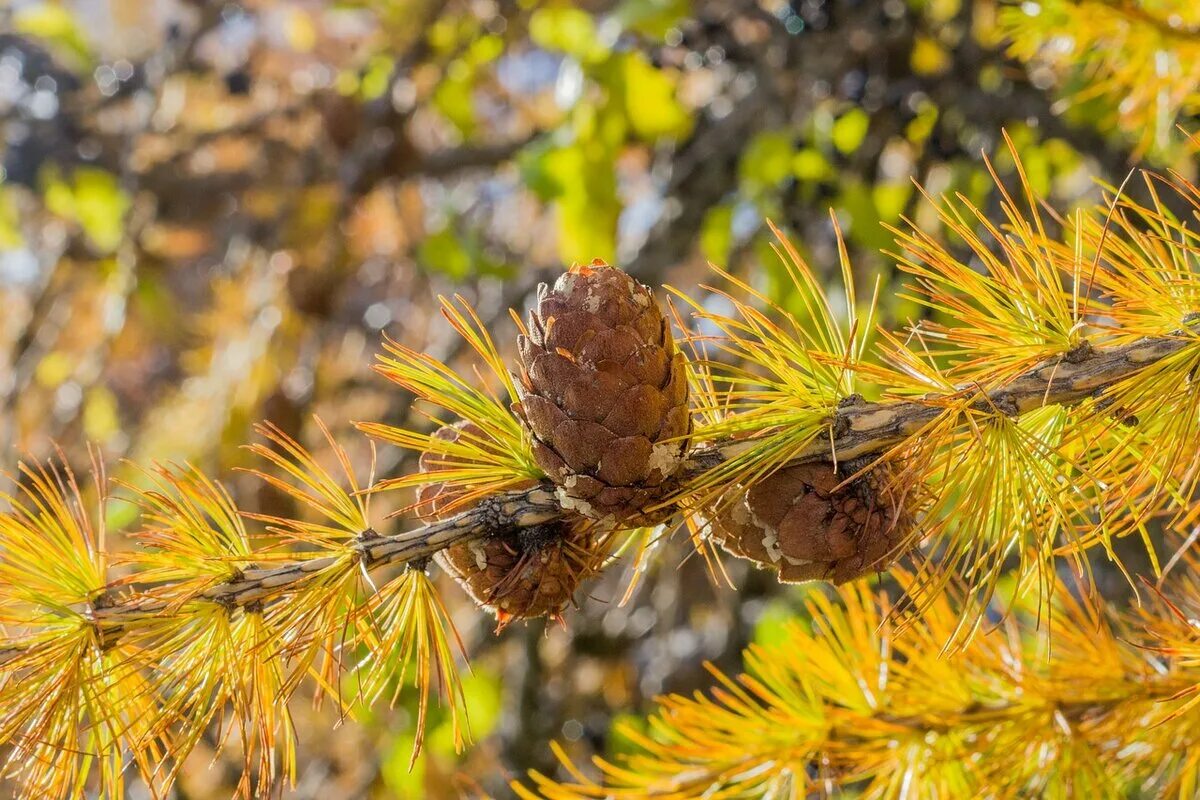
[{"x": 871, "y": 428}]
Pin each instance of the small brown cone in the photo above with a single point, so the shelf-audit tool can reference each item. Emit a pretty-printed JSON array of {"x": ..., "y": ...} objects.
[
  {"x": 797, "y": 522},
  {"x": 603, "y": 391},
  {"x": 532, "y": 573},
  {"x": 520, "y": 575}
]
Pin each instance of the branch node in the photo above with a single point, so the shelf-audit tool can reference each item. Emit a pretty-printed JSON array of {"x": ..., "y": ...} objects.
[
  {"x": 852, "y": 400},
  {"x": 102, "y": 599},
  {"x": 359, "y": 544},
  {"x": 226, "y": 602},
  {"x": 1002, "y": 402},
  {"x": 839, "y": 425},
  {"x": 1079, "y": 353}
]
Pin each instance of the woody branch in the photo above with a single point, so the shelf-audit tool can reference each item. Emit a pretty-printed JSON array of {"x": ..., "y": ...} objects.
[{"x": 858, "y": 430}]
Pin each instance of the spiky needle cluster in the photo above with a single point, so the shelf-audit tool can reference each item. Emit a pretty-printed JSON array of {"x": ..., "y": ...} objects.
[
  {"x": 98, "y": 673},
  {"x": 1103, "y": 707},
  {"x": 1047, "y": 403},
  {"x": 1137, "y": 60}
]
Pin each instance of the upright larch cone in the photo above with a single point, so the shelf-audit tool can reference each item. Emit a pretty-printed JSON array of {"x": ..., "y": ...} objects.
[
  {"x": 521, "y": 575},
  {"x": 603, "y": 392},
  {"x": 799, "y": 522}
]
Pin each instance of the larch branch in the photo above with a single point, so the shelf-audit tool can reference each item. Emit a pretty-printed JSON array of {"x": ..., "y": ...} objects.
[{"x": 862, "y": 429}]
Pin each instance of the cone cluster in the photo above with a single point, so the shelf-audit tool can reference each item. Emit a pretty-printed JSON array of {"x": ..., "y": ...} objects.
[
  {"x": 603, "y": 392},
  {"x": 521, "y": 575},
  {"x": 800, "y": 522}
]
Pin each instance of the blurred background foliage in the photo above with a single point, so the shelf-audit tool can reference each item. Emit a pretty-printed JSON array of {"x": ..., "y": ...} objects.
[{"x": 210, "y": 212}]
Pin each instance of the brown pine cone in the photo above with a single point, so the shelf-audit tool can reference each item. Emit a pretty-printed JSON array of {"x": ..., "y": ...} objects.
[
  {"x": 527, "y": 574},
  {"x": 603, "y": 391},
  {"x": 796, "y": 522},
  {"x": 520, "y": 575}
]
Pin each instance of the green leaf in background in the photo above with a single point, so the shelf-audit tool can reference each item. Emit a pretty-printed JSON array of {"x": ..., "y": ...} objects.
[
  {"x": 442, "y": 252},
  {"x": 772, "y": 625},
  {"x": 10, "y": 229},
  {"x": 375, "y": 77},
  {"x": 890, "y": 199},
  {"x": 93, "y": 199},
  {"x": 455, "y": 97},
  {"x": 602, "y": 126},
  {"x": 394, "y": 767},
  {"x": 1038, "y": 170},
  {"x": 810, "y": 165},
  {"x": 929, "y": 57},
  {"x": 652, "y": 18},
  {"x": 120, "y": 516},
  {"x": 484, "y": 50},
  {"x": 650, "y": 103},
  {"x": 536, "y": 165},
  {"x": 849, "y": 130},
  {"x": 716, "y": 234},
  {"x": 100, "y": 416},
  {"x": 857, "y": 201},
  {"x": 978, "y": 185},
  {"x": 458, "y": 254},
  {"x": 767, "y": 160},
  {"x": 447, "y": 33},
  {"x": 922, "y": 125},
  {"x": 586, "y": 230},
  {"x": 54, "y": 369},
  {"x": 587, "y": 205},
  {"x": 484, "y": 701},
  {"x": 55, "y": 26},
  {"x": 567, "y": 30}
]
